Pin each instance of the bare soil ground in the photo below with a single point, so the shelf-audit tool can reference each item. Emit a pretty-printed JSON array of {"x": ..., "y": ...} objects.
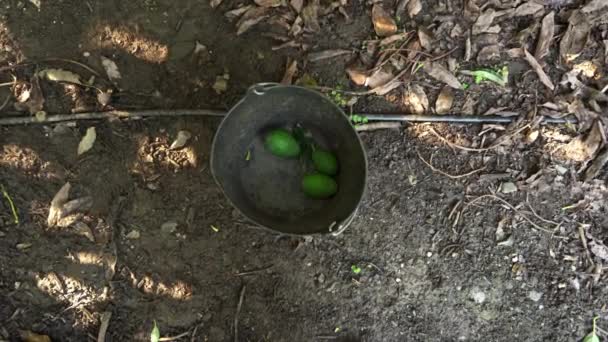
[{"x": 466, "y": 233}]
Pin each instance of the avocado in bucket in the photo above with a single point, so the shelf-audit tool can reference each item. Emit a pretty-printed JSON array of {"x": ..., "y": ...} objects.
[
  {"x": 325, "y": 162},
  {"x": 319, "y": 186},
  {"x": 282, "y": 144}
]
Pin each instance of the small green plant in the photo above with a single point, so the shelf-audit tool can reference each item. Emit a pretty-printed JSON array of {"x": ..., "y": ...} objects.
[
  {"x": 465, "y": 86},
  {"x": 419, "y": 66},
  {"x": 338, "y": 97},
  {"x": 500, "y": 76},
  {"x": 155, "y": 334},
  {"x": 359, "y": 119},
  {"x": 592, "y": 336},
  {"x": 11, "y": 204},
  {"x": 355, "y": 269},
  {"x": 214, "y": 228}
]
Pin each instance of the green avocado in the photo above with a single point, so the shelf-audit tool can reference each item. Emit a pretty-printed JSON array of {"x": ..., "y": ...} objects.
[
  {"x": 325, "y": 162},
  {"x": 281, "y": 143},
  {"x": 319, "y": 186}
]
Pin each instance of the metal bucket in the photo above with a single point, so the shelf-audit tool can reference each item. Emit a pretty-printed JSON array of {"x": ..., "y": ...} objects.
[{"x": 267, "y": 189}]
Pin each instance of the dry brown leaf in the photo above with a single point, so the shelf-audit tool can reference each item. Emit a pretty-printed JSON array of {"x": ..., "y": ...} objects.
[
  {"x": 574, "y": 40},
  {"x": 426, "y": 39},
  {"x": 484, "y": 23},
  {"x": 319, "y": 56},
  {"x": 539, "y": 70},
  {"x": 111, "y": 68},
  {"x": 290, "y": 71},
  {"x": 251, "y": 18},
  {"x": 60, "y": 198},
  {"x": 35, "y": 99},
  {"x": 468, "y": 108},
  {"x": 297, "y": 5},
  {"x": 489, "y": 54},
  {"x": 181, "y": 140},
  {"x": 414, "y": 7},
  {"x": 356, "y": 75},
  {"x": 384, "y": 24},
  {"x": 28, "y": 336},
  {"x": 268, "y": 3},
  {"x": 444, "y": 102},
  {"x": 545, "y": 38},
  {"x": 310, "y": 16},
  {"x": 401, "y": 7},
  {"x": 59, "y": 75},
  {"x": 83, "y": 229},
  {"x": 386, "y": 88},
  {"x": 75, "y": 205},
  {"x": 582, "y": 148},
  {"x": 215, "y": 3},
  {"x": 594, "y": 5},
  {"x": 528, "y": 8},
  {"x": 379, "y": 78},
  {"x": 415, "y": 99},
  {"x": 237, "y": 12},
  {"x": 394, "y": 38},
  {"x": 87, "y": 141},
  {"x": 437, "y": 71}
]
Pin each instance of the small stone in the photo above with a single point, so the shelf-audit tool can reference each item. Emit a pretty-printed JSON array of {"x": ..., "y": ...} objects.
[
  {"x": 398, "y": 280},
  {"x": 508, "y": 187},
  {"x": 23, "y": 246},
  {"x": 169, "y": 227},
  {"x": 477, "y": 295},
  {"x": 321, "y": 278},
  {"x": 561, "y": 170},
  {"x": 2, "y": 234},
  {"x": 429, "y": 254},
  {"x": 133, "y": 235},
  {"x": 86, "y": 54},
  {"x": 535, "y": 295}
]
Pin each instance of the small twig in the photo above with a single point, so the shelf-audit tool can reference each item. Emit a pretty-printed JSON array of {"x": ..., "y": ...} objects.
[
  {"x": 377, "y": 125},
  {"x": 444, "y": 55},
  {"x": 173, "y": 338},
  {"x": 517, "y": 212},
  {"x": 105, "y": 322},
  {"x": 254, "y": 271},
  {"x": 238, "y": 311},
  {"x": 120, "y": 114},
  {"x": 6, "y": 84},
  {"x": 73, "y": 62},
  {"x": 497, "y": 143},
  {"x": 10, "y": 203},
  {"x": 428, "y": 163},
  {"x": 581, "y": 233}
]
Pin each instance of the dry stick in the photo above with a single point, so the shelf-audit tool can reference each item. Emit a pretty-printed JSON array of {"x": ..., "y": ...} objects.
[
  {"x": 236, "y": 315},
  {"x": 377, "y": 125},
  {"x": 120, "y": 114},
  {"x": 105, "y": 322},
  {"x": 581, "y": 233},
  {"x": 173, "y": 338},
  {"x": 73, "y": 62},
  {"x": 254, "y": 271},
  {"x": 428, "y": 163},
  {"x": 517, "y": 212},
  {"x": 471, "y": 149}
]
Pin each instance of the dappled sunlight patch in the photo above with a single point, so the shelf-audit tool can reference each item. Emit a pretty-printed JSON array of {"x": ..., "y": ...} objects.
[
  {"x": 125, "y": 38},
  {"x": 179, "y": 290},
  {"x": 69, "y": 289}
]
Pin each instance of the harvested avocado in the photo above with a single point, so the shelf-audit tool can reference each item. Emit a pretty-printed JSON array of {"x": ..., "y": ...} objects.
[
  {"x": 319, "y": 186},
  {"x": 325, "y": 162},
  {"x": 281, "y": 143}
]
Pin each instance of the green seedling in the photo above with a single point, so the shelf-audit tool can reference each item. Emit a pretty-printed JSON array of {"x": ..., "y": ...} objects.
[
  {"x": 214, "y": 228},
  {"x": 11, "y": 204},
  {"x": 419, "y": 66},
  {"x": 155, "y": 334},
  {"x": 355, "y": 269},
  {"x": 248, "y": 155},
  {"x": 465, "y": 86},
  {"x": 338, "y": 98},
  {"x": 359, "y": 119},
  {"x": 500, "y": 77},
  {"x": 592, "y": 336}
]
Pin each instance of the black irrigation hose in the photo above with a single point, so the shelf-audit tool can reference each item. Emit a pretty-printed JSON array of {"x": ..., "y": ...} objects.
[
  {"x": 461, "y": 119},
  {"x": 124, "y": 114}
]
